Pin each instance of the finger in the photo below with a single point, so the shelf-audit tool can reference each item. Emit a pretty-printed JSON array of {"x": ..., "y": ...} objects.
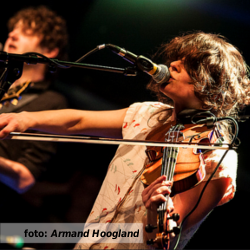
[
  {"x": 157, "y": 197},
  {"x": 7, "y": 125},
  {"x": 5, "y": 130},
  {"x": 159, "y": 180},
  {"x": 156, "y": 189},
  {"x": 4, "y": 133},
  {"x": 154, "y": 201}
]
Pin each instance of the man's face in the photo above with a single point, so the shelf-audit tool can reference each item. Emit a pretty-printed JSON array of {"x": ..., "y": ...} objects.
[{"x": 22, "y": 40}]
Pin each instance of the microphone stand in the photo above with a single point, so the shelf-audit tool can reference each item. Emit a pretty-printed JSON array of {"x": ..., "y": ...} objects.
[
  {"x": 12, "y": 71},
  {"x": 13, "y": 67}
]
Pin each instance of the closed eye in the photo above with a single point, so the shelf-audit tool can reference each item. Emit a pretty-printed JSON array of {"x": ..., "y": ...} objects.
[{"x": 173, "y": 68}]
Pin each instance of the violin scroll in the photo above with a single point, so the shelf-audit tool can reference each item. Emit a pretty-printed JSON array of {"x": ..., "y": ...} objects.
[{"x": 149, "y": 228}]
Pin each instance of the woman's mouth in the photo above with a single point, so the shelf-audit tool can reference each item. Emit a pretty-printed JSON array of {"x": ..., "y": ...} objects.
[{"x": 171, "y": 77}]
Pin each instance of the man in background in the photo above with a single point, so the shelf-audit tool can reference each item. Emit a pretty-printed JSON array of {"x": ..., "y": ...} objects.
[{"x": 22, "y": 163}]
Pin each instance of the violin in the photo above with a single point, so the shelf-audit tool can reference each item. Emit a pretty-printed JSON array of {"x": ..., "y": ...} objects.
[
  {"x": 175, "y": 149},
  {"x": 184, "y": 166}
]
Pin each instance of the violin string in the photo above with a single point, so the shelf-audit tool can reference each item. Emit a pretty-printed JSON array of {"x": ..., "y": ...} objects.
[
  {"x": 164, "y": 172},
  {"x": 170, "y": 155},
  {"x": 168, "y": 166},
  {"x": 176, "y": 150},
  {"x": 165, "y": 167}
]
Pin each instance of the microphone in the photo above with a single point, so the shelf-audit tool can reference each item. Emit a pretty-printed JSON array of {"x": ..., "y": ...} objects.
[{"x": 159, "y": 72}]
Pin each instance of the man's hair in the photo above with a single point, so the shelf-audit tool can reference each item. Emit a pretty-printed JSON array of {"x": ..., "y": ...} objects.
[
  {"x": 217, "y": 69},
  {"x": 45, "y": 22}
]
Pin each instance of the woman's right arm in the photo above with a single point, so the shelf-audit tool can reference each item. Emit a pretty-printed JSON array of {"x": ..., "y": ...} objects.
[{"x": 65, "y": 121}]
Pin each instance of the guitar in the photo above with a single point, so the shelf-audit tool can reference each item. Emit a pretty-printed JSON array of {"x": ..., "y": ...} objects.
[{"x": 14, "y": 94}]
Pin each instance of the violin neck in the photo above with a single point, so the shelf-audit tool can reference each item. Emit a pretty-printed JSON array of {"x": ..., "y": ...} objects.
[
  {"x": 161, "y": 214},
  {"x": 168, "y": 167},
  {"x": 169, "y": 159},
  {"x": 169, "y": 162}
]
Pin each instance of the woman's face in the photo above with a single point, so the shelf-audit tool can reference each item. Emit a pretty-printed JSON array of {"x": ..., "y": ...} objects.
[{"x": 179, "y": 87}]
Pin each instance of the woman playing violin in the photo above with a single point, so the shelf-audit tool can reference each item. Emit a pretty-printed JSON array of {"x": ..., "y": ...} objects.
[{"x": 207, "y": 73}]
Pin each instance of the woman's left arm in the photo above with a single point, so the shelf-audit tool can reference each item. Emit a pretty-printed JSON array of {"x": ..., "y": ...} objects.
[{"x": 185, "y": 202}]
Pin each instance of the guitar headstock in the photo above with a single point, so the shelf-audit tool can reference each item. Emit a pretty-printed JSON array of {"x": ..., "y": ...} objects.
[{"x": 14, "y": 94}]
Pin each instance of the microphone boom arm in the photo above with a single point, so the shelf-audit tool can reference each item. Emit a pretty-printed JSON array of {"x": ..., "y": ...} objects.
[
  {"x": 31, "y": 58},
  {"x": 13, "y": 67}
]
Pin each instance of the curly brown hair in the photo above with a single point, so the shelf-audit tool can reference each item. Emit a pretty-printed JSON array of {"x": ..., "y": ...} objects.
[
  {"x": 43, "y": 21},
  {"x": 217, "y": 69}
]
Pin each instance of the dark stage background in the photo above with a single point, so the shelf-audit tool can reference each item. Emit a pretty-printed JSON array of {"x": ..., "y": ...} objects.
[{"x": 68, "y": 192}]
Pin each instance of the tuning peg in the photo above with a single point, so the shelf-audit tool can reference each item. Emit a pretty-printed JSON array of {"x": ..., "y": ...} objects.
[
  {"x": 174, "y": 217},
  {"x": 175, "y": 230},
  {"x": 6, "y": 103},
  {"x": 14, "y": 101},
  {"x": 149, "y": 228},
  {"x": 150, "y": 242}
]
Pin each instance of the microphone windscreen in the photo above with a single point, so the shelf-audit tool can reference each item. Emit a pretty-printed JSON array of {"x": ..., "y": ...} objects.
[{"x": 162, "y": 75}]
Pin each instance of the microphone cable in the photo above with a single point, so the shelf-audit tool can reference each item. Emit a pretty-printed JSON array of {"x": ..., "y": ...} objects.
[{"x": 209, "y": 179}]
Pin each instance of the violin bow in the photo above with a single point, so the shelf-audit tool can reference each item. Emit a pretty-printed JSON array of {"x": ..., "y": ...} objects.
[{"x": 112, "y": 141}]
